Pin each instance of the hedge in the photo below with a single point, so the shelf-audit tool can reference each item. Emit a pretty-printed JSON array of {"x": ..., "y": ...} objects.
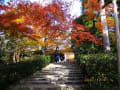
[
  {"x": 13, "y": 72},
  {"x": 99, "y": 67}
]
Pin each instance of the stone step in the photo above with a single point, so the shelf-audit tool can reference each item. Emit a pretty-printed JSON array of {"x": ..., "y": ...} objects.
[
  {"x": 52, "y": 82},
  {"x": 37, "y": 78},
  {"x": 57, "y": 75},
  {"x": 74, "y": 78},
  {"x": 72, "y": 71},
  {"x": 56, "y": 72},
  {"x": 64, "y": 78},
  {"x": 47, "y": 87},
  {"x": 60, "y": 70},
  {"x": 66, "y": 63},
  {"x": 63, "y": 68},
  {"x": 32, "y": 88}
]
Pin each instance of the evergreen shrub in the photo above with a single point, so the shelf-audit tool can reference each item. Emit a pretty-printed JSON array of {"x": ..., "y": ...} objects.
[
  {"x": 99, "y": 68},
  {"x": 10, "y": 73}
]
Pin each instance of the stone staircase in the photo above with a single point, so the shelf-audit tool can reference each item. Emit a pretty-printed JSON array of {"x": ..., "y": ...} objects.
[{"x": 55, "y": 76}]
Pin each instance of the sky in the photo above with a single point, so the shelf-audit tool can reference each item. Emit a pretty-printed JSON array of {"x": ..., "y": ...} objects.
[{"x": 75, "y": 10}]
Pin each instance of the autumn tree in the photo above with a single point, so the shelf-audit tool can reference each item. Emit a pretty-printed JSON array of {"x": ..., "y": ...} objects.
[
  {"x": 41, "y": 23},
  {"x": 105, "y": 28},
  {"x": 93, "y": 8},
  {"x": 84, "y": 30}
]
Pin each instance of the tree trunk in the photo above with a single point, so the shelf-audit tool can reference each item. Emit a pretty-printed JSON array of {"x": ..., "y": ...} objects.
[
  {"x": 18, "y": 56},
  {"x": 57, "y": 49},
  {"x": 43, "y": 50},
  {"x": 11, "y": 57},
  {"x": 14, "y": 57},
  {"x": 105, "y": 29},
  {"x": 117, "y": 37}
]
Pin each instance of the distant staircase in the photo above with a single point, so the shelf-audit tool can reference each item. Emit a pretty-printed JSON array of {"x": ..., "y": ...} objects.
[{"x": 56, "y": 76}]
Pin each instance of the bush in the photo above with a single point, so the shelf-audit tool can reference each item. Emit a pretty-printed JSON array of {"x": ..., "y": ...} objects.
[
  {"x": 99, "y": 67},
  {"x": 14, "y": 72},
  {"x": 38, "y": 52}
]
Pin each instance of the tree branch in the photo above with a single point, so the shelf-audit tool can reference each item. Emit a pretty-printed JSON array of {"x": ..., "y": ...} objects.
[{"x": 106, "y": 3}]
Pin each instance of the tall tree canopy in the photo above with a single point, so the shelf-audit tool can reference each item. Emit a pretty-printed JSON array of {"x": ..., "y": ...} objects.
[{"x": 41, "y": 23}]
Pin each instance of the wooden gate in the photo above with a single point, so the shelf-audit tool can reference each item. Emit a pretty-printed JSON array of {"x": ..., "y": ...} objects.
[{"x": 69, "y": 56}]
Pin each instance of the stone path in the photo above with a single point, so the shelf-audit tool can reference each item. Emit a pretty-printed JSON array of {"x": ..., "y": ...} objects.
[{"x": 55, "y": 76}]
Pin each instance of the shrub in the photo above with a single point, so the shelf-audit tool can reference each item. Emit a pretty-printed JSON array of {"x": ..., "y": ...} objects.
[
  {"x": 14, "y": 72},
  {"x": 99, "y": 67}
]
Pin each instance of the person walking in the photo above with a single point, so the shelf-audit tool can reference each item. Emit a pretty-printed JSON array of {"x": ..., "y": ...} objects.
[{"x": 57, "y": 58}]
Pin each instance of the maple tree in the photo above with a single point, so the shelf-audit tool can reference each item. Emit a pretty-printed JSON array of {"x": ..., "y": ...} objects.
[
  {"x": 46, "y": 23},
  {"x": 82, "y": 29},
  {"x": 95, "y": 10},
  {"x": 80, "y": 33},
  {"x": 106, "y": 40},
  {"x": 35, "y": 21},
  {"x": 92, "y": 10}
]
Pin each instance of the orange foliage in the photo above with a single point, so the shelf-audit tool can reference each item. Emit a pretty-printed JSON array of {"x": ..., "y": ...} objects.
[
  {"x": 110, "y": 22},
  {"x": 98, "y": 25},
  {"x": 91, "y": 7},
  {"x": 83, "y": 35},
  {"x": 79, "y": 27},
  {"x": 47, "y": 20},
  {"x": 42, "y": 24}
]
